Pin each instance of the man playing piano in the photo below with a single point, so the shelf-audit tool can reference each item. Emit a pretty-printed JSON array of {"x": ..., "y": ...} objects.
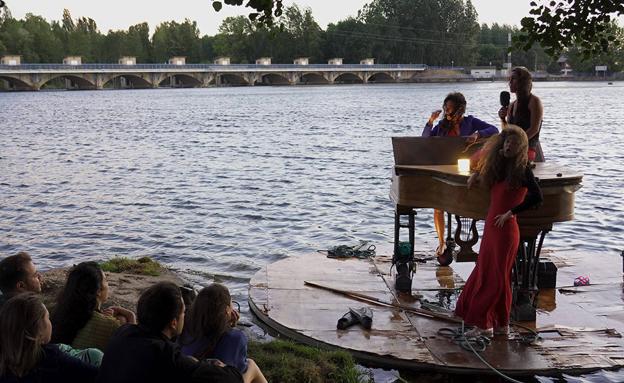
[{"x": 454, "y": 124}]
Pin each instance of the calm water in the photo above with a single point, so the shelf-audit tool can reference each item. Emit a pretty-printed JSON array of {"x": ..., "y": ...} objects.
[{"x": 218, "y": 182}]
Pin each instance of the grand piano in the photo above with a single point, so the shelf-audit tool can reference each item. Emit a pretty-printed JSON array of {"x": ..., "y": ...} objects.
[{"x": 426, "y": 175}]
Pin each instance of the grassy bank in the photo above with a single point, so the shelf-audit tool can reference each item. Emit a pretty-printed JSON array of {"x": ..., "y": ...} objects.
[
  {"x": 141, "y": 266},
  {"x": 288, "y": 362}
]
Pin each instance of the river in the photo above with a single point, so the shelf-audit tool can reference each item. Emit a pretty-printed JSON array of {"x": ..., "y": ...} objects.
[{"x": 218, "y": 182}]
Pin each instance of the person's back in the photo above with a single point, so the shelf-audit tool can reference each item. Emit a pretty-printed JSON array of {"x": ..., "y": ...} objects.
[
  {"x": 135, "y": 354},
  {"x": 145, "y": 352}
]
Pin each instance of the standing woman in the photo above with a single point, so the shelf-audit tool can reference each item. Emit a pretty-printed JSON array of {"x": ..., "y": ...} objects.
[
  {"x": 485, "y": 301},
  {"x": 454, "y": 124},
  {"x": 526, "y": 111},
  {"x": 25, "y": 353}
]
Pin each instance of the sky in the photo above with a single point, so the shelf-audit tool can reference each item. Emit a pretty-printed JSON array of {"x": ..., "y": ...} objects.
[{"x": 120, "y": 14}]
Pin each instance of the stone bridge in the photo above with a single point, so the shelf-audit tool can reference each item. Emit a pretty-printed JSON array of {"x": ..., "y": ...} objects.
[{"x": 101, "y": 76}]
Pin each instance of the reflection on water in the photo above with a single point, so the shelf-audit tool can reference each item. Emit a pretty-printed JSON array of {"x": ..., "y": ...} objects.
[{"x": 221, "y": 181}]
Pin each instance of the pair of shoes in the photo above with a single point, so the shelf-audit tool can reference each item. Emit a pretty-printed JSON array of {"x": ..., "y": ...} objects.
[
  {"x": 476, "y": 332},
  {"x": 363, "y": 316},
  {"x": 502, "y": 330}
]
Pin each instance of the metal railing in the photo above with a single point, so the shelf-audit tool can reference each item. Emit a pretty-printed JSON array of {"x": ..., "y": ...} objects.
[{"x": 209, "y": 67}]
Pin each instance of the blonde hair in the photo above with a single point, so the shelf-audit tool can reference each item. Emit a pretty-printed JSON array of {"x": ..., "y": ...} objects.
[
  {"x": 20, "y": 324},
  {"x": 494, "y": 167},
  {"x": 525, "y": 81}
]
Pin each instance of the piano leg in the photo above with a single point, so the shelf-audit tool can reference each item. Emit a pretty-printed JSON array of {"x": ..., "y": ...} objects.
[
  {"x": 403, "y": 256},
  {"x": 524, "y": 277}
]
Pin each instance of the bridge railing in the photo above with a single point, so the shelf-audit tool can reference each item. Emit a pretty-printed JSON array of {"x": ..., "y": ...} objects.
[{"x": 209, "y": 67}]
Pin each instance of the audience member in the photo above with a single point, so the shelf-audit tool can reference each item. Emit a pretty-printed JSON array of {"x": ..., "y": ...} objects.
[
  {"x": 146, "y": 353},
  {"x": 25, "y": 355},
  {"x": 18, "y": 274},
  {"x": 78, "y": 318},
  {"x": 210, "y": 333}
]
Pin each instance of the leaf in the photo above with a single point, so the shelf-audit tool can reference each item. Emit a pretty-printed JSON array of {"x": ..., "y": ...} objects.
[
  {"x": 533, "y": 4},
  {"x": 253, "y": 16},
  {"x": 217, "y": 5}
]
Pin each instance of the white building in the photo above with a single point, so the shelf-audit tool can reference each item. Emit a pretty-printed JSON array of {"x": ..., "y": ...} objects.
[
  {"x": 263, "y": 61},
  {"x": 483, "y": 72},
  {"x": 367, "y": 61},
  {"x": 335, "y": 61}
]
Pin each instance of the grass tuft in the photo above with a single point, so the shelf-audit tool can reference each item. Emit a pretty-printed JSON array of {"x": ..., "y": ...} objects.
[
  {"x": 141, "y": 266},
  {"x": 288, "y": 362}
]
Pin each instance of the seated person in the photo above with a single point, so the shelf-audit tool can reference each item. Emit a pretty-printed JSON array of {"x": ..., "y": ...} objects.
[
  {"x": 78, "y": 319},
  {"x": 454, "y": 124},
  {"x": 26, "y": 355},
  {"x": 145, "y": 352},
  {"x": 18, "y": 274},
  {"x": 210, "y": 333}
]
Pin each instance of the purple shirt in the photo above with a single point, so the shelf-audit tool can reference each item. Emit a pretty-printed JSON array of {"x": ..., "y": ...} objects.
[
  {"x": 467, "y": 126},
  {"x": 231, "y": 349}
]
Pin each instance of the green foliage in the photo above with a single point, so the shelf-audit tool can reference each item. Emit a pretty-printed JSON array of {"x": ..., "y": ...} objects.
[
  {"x": 286, "y": 362},
  {"x": 142, "y": 266},
  {"x": 557, "y": 25},
  {"x": 392, "y": 31}
]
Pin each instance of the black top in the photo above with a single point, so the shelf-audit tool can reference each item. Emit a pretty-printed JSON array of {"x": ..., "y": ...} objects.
[
  {"x": 134, "y": 354},
  {"x": 534, "y": 195},
  {"x": 56, "y": 367},
  {"x": 522, "y": 118}
]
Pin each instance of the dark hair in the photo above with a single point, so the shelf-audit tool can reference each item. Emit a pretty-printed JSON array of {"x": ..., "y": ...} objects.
[
  {"x": 460, "y": 108},
  {"x": 208, "y": 317},
  {"x": 12, "y": 271},
  {"x": 20, "y": 323},
  {"x": 159, "y": 305},
  {"x": 76, "y": 303}
]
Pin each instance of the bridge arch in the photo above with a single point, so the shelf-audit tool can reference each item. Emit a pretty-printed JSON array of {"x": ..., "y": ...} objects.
[
  {"x": 381, "y": 77},
  {"x": 273, "y": 79},
  {"x": 127, "y": 81},
  {"x": 15, "y": 83},
  {"x": 313, "y": 78},
  {"x": 231, "y": 79},
  {"x": 179, "y": 80},
  {"x": 74, "y": 82},
  {"x": 348, "y": 78}
]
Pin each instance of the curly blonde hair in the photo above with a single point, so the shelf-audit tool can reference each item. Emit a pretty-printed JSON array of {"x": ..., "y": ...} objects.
[{"x": 494, "y": 167}]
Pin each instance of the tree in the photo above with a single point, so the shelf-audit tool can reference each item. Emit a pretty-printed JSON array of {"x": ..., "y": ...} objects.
[
  {"x": 176, "y": 39},
  {"x": 566, "y": 23}
]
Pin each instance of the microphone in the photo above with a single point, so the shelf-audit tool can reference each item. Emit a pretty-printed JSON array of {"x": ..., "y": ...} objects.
[{"x": 505, "y": 97}]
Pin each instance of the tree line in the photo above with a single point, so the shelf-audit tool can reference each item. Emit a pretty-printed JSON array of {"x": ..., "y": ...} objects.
[{"x": 438, "y": 33}]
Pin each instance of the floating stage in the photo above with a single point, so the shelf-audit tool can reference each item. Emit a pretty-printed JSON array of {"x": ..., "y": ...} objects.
[{"x": 579, "y": 327}]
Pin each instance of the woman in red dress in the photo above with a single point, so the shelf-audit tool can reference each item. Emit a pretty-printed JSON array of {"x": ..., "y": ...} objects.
[{"x": 485, "y": 301}]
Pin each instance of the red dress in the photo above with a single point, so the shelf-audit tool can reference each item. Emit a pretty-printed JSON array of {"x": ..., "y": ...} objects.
[{"x": 485, "y": 301}]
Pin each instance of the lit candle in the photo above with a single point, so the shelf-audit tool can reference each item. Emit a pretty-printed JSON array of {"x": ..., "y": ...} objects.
[{"x": 463, "y": 165}]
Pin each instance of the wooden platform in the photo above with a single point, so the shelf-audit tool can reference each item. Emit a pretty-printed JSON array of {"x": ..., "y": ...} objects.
[{"x": 579, "y": 327}]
